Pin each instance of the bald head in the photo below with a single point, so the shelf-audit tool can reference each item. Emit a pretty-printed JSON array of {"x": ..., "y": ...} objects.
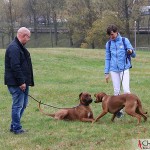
[{"x": 23, "y": 35}]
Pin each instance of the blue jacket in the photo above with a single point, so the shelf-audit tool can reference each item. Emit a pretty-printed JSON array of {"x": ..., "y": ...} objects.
[
  {"x": 116, "y": 55},
  {"x": 18, "y": 65}
]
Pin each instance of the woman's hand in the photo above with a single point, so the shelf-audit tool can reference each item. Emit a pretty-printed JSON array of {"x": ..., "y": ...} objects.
[{"x": 106, "y": 77}]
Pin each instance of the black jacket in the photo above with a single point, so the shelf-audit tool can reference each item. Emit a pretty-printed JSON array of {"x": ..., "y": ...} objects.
[{"x": 18, "y": 65}]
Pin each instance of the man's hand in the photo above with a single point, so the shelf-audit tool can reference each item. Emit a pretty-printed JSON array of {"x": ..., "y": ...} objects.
[
  {"x": 106, "y": 77},
  {"x": 23, "y": 87}
]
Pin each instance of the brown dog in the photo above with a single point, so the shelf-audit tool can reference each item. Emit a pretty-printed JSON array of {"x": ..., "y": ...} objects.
[
  {"x": 82, "y": 112},
  {"x": 114, "y": 104}
]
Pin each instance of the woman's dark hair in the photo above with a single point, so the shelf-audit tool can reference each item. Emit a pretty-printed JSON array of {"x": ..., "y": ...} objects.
[{"x": 112, "y": 28}]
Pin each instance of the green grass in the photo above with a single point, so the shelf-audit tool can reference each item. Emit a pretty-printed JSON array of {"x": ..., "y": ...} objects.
[{"x": 61, "y": 74}]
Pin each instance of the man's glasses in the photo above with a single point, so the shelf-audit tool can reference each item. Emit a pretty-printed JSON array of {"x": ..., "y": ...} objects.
[{"x": 27, "y": 36}]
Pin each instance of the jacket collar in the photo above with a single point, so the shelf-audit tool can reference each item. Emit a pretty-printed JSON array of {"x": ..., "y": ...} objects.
[
  {"x": 117, "y": 38},
  {"x": 19, "y": 43}
]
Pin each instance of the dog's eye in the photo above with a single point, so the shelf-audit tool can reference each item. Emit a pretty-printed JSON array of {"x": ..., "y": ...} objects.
[{"x": 87, "y": 96}]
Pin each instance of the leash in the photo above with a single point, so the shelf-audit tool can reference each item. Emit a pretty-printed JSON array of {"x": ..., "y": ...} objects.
[
  {"x": 50, "y": 105},
  {"x": 121, "y": 80},
  {"x": 43, "y": 103},
  {"x": 126, "y": 61}
]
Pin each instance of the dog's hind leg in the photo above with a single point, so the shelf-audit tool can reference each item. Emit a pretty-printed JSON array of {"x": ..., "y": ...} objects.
[
  {"x": 134, "y": 114},
  {"x": 113, "y": 117},
  {"x": 62, "y": 115},
  {"x": 130, "y": 109}
]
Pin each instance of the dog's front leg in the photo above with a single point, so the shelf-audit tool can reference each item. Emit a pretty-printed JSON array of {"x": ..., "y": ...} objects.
[
  {"x": 101, "y": 115},
  {"x": 87, "y": 119}
]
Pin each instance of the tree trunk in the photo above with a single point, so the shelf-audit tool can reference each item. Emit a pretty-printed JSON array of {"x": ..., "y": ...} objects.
[
  {"x": 11, "y": 20},
  {"x": 2, "y": 40},
  {"x": 127, "y": 19},
  {"x": 55, "y": 28},
  {"x": 35, "y": 31},
  {"x": 90, "y": 18}
]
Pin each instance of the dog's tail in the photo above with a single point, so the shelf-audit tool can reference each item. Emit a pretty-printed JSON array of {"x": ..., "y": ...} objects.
[
  {"x": 140, "y": 107},
  {"x": 51, "y": 115},
  {"x": 140, "y": 111}
]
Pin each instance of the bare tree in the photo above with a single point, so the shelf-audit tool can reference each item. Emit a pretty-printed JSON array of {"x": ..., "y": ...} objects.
[
  {"x": 32, "y": 9},
  {"x": 56, "y": 6},
  {"x": 81, "y": 15},
  {"x": 9, "y": 12}
]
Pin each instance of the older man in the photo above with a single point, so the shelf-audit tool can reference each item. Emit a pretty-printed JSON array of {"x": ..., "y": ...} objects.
[{"x": 18, "y": 76}]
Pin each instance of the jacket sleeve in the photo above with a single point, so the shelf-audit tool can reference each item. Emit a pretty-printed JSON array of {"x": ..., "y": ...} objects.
[
  {"x": 14, "y": 56},
  {"x": 107, "y": 58},
  {"x": 129, "y": 46}
]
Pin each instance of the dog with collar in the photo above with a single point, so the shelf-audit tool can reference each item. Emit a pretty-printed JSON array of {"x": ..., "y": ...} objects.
[
  {"x": 82, "y": 112},
  {"x": 113, "y": 104}
]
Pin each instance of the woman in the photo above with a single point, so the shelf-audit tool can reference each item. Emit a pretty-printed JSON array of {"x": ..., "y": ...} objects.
[{"x": 117, "y": 61}]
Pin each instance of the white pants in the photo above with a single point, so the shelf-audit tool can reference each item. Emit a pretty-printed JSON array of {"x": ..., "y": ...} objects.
[{"x": 117, "y": 78}]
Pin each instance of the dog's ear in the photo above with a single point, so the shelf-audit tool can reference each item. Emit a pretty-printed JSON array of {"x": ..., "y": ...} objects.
[
  {"x": 95, "y": 95},
  {"x": 103, "y": 94},
  {"x": 80, "y": 95}
]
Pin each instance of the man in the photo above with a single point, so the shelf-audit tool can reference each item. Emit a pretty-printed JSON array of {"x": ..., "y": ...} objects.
[
  {"x": 117, "y": 61},
  {"x": 18, "y": 76}
]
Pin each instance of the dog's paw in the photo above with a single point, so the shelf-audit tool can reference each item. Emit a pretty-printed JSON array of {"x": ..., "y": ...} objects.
[{"x": 93, "y": 122}]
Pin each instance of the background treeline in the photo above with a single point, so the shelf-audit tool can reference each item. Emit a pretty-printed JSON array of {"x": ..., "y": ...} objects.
[{"x": 71, "y": 23}]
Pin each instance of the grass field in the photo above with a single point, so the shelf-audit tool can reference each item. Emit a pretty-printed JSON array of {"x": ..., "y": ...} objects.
[{"x": 61, "y": 74}]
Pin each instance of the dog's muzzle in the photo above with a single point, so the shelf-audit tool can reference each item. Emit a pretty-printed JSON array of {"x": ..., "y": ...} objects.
[{"x": 87, "y": 101}]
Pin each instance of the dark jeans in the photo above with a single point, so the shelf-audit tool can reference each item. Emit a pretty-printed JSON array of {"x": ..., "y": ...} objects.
[{"x": 19, "y": 103}]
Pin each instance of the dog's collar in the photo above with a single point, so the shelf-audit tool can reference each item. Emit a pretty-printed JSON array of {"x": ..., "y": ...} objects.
[
  {"x": 77, "y": 106},
  {"x": 83, "y": 104}
]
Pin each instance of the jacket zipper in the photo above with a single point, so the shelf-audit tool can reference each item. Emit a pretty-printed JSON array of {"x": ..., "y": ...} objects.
[{"x": 116, "y": 55}]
